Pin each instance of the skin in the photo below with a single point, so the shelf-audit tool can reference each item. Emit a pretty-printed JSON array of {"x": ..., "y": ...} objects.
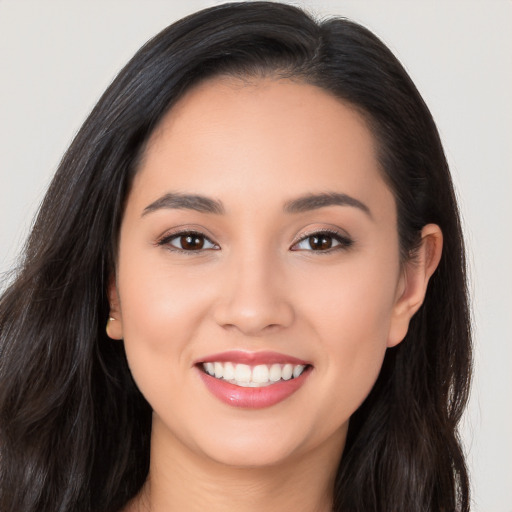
[{"x": 254, "y": 145}]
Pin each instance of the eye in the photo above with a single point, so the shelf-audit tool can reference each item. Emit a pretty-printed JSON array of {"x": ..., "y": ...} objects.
[
  {"x": 188, "y": 241},
  {"x": 322, "y": 241}
]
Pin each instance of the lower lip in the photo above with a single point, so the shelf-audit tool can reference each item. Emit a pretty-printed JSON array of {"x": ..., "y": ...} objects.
[{"x": 253, "y": 398}]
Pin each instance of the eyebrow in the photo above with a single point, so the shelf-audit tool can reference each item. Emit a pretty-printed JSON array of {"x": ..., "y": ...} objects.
[
  {"x": 203, "y": 204},
  {"x": 176, "y": 200},
  {"x": 316, "y": 201}
]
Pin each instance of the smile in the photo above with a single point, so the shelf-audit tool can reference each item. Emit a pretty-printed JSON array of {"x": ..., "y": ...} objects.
[
  {"x": 253, "y": 380},
  {"x": 248, "y": 376}
]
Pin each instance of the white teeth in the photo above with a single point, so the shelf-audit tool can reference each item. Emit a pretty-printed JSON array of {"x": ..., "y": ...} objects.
[
  {"x": 243, "y": 373},
  {"x": 257, "y": 376},
  {"x": 219, "y": 370},
  {"x": 260, "y": 374},
  {"x": 287, "y": 372},
  {"x": 210, "y": 368},
  {"x": 297, "y": 370},
  {"x": 275, "y": 373},
  {"x": 229, "y": 371}
]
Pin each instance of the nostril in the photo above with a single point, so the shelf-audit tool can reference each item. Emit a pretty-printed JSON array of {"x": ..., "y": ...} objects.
[{"x": 252, "y": 314}]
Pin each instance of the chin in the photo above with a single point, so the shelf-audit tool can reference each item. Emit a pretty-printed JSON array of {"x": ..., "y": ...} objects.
[{"x": 250, "y": 454}]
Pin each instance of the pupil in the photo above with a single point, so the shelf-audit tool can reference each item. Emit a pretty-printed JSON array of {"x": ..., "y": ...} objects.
[
  {"x": 320, "y": 242},
  {"x": 191, "y": 242}
]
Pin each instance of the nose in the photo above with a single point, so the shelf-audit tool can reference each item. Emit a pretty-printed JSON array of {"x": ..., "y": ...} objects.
[{"x": 253, "y": 300}]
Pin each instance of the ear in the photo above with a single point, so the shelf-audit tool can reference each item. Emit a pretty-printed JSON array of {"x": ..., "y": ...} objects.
[
  {"x": 115, "y": 322},
  {"x": 412, "y": 286}
]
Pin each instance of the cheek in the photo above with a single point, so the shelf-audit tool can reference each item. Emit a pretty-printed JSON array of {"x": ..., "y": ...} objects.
[
  {"x": 162, "y": 308},
  {"x": 354, "y": 330},
  {"x": 351, "y": 314},
  {"x": 353, "y": 303},
  {"x": 162, "y": 312}
]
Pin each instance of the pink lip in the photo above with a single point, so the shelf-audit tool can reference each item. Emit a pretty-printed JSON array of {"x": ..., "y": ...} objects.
[
  {"x": 251, "y": 358},
  {"x": 253, "y": 398}
]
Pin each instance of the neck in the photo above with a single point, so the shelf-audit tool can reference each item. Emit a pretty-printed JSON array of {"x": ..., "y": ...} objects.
[{"x": 182, "y": 480}]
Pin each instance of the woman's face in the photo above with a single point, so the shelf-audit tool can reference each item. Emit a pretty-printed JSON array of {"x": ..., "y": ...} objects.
[{"x": 258, "y": 235}]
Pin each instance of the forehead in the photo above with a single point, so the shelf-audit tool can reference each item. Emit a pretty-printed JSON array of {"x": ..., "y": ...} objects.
[
  {"x": 263, "y": 107},
  {"x": 247, "y": 137}
]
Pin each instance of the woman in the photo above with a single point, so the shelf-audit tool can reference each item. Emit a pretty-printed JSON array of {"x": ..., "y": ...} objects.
[{"x": 260, "y": 213}]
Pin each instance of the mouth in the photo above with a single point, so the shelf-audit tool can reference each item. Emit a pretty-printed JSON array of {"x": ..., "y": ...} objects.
[
  {"x": 248, "y": 376},
  {"x": 253, "y": 380}
]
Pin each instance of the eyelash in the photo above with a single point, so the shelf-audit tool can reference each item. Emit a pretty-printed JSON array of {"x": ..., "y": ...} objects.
[
  {"x": 344, "y": 242},
  {"x": 166, "y": 240}
]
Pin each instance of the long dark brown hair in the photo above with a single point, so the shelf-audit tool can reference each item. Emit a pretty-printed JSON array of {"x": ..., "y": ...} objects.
[{"x": 75, "y": 430}]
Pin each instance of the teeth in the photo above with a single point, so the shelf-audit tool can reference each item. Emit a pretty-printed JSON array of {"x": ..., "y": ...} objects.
[
  {"x": 258, "y": 376},
  {"x": 229, "y": 371},
  {"x": 275, "y": 373},
  {"x": 242, "y": 373},
  {"x": 287, "y": 372},
  {"x": 219, "y": 370},
  {"x": 297, "y": 370}
]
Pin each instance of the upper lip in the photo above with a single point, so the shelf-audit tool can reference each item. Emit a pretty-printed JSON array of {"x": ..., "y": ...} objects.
[{"x": 251, "y": 358}]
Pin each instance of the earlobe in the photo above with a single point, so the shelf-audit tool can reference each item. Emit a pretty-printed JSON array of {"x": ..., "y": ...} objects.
[
  {"x": 413, "y": 284},
  {"x": 114, "y": 327}
]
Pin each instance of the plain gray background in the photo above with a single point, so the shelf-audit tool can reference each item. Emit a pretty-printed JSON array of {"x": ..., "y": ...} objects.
[{"x": 57, "y": 57}]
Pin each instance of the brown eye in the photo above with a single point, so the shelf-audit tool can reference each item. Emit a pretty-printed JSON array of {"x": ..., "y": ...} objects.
[
  {"x": 320, "y": 242},
  {"x": 188, "y": 241},
  {"x": 191, "y": 242},
  {"x": 323, "y": 241}
]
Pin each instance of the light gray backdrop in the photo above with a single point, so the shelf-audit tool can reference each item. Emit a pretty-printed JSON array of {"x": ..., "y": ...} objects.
[{"x": 56, "y": 58}]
